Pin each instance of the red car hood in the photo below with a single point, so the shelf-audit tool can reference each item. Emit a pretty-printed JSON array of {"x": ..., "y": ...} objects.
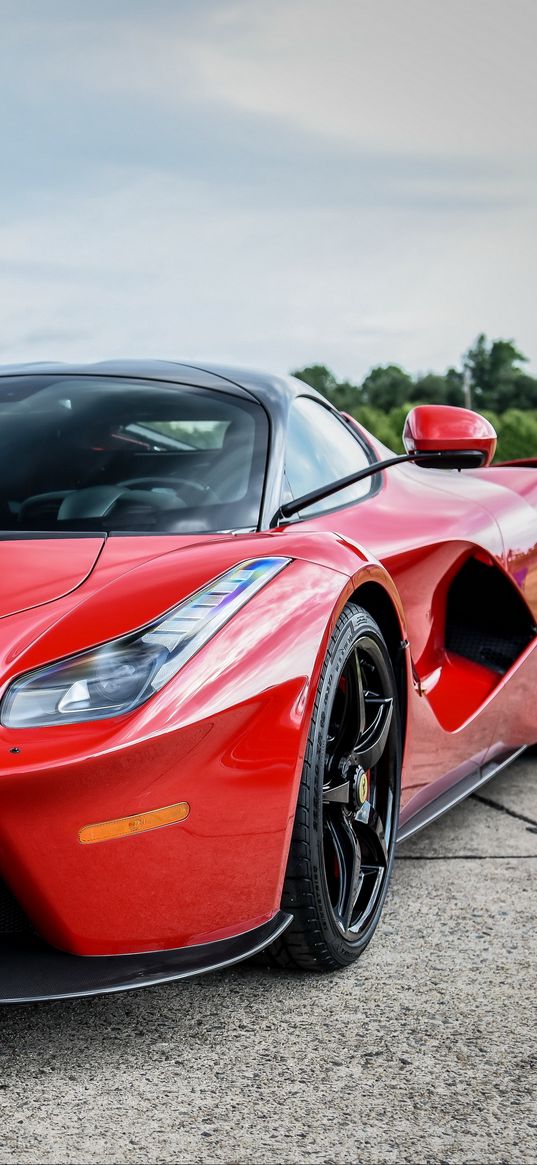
[
  {"x": 38, "y": 570},
  {"x": 67, "y": 594}
]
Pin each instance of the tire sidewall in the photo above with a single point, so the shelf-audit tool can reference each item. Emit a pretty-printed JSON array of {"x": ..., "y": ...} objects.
[{"x": 356, "y": 623}]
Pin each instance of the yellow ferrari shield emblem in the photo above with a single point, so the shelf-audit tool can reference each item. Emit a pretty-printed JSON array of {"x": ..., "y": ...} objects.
[{"x": 363, "y": 788}]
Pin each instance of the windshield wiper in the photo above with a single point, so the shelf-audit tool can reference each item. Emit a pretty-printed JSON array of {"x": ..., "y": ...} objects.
[{"x": 460, "y": 459}]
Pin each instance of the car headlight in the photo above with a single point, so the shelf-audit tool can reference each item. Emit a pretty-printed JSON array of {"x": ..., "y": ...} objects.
[{"x": 121, "y": 675}]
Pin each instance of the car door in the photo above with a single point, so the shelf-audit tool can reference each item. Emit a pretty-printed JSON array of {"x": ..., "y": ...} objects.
[{"x": 424, "y": 526}]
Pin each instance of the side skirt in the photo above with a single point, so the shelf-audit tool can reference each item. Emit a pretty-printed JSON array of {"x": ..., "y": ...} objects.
[
  {"x": 30, "y": 970},
  {"x": 452, "y": 796}
]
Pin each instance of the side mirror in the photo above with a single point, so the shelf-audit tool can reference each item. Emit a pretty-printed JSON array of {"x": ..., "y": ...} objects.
[{"x": 459, "y": 433}]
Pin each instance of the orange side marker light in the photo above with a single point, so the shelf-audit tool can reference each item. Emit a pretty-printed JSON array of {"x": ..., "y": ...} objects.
[{"x": 138, "y": 823}]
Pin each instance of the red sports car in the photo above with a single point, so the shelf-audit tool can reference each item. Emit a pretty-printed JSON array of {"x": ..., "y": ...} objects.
[{"x": 244, "y": 649}]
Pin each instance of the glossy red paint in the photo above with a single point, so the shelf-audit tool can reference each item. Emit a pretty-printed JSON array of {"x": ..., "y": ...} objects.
[
  {"x": 34, "y": 573},
  {"x": 457, "y": 711},
  {"x": 432, "y": 427},
  {"x": 227, "y": 734}
]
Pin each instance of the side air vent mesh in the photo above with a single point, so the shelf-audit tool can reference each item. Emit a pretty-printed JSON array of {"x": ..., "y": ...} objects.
[{"x": 487, "y": 620}]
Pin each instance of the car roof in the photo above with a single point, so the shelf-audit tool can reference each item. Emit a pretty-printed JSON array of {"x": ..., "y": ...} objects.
[{"x": 273, "y": 391}]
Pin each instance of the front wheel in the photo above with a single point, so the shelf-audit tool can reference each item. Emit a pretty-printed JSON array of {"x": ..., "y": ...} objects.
[{"x": 344, "y": 835}]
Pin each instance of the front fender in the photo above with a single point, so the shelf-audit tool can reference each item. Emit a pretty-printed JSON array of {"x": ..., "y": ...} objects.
[{"x": 227, "y": 735}]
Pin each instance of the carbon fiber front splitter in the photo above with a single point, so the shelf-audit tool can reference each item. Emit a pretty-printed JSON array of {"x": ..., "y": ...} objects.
[{"x": 31, "y": 971}]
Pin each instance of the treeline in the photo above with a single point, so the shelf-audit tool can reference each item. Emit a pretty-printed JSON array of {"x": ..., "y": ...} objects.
[{"x": 491, "y": 380}]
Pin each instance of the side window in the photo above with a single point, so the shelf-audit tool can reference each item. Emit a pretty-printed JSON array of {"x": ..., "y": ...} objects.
[{"x": 320, "y": 449}]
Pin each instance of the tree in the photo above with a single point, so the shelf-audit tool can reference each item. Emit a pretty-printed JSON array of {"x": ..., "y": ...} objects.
[
  {"x": 517, "y": 435},
  {"x": 519, "y": 393},
  {"x": 454, "y": 387},
  {"x": 495, "y": 374},
  {"x": 498, "y": 386},
  {"x": 347, "y": 397},
  {"x": 343, "y": 394},
  {"x": 387, "y": 387},
  {"x": 433, "y": 389},
  {"x": 318, "y": 376}
]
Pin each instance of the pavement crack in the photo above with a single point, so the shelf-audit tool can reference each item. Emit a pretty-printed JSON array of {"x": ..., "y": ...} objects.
[
  {"x": 463, "y": 857},
  {"x": 503, "y": 809}
]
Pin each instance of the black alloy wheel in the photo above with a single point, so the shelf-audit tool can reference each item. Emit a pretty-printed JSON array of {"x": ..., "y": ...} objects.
[{"x": 344, "y": 836}]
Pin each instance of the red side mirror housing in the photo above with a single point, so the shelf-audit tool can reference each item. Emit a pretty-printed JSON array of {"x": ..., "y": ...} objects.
[{"x": 449, "y": 430}]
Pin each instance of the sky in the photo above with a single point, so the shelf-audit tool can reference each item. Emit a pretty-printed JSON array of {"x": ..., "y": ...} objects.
[{"x": 270, "y": 183}]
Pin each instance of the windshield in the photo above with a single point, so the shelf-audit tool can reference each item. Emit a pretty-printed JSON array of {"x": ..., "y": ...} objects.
[{"x": 116, "y": 454}]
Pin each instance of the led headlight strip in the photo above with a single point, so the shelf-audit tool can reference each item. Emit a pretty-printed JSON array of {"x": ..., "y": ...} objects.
[{"x": 121, "y": 675}]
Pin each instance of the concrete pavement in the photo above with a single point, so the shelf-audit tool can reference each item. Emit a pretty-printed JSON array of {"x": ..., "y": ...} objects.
[{"x": 425, "y": 1052}]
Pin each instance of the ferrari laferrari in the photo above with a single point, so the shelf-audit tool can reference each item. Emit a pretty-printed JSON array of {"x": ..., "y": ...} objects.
[{"x": 245, "y": 650}]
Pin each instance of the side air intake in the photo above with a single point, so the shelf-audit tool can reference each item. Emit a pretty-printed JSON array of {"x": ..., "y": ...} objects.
[{"x": 487, "y": 621}]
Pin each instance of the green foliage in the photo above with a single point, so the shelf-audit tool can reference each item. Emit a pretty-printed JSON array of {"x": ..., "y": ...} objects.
[
  {"x": 491, "y": 380},
  {"x": 517, "y": 435},
  {"x": 385, "y": 388},
  {"x": 525, "y": 395},
  {"x": 384, "y": 426},
  {"x": 439, "y": 390},
  {"x": 495, "y": 379},
  {"x": 319, "y": 377}
]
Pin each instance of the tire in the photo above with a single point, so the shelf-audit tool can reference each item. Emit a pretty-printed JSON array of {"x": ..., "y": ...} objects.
[{"x": 345, "y": 829}]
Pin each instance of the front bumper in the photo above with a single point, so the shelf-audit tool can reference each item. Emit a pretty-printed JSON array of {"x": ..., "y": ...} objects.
[{"x": 31, "y": 970}]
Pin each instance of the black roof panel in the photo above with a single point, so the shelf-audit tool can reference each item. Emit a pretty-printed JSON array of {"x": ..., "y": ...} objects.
[{"x": 274, "y": 392}]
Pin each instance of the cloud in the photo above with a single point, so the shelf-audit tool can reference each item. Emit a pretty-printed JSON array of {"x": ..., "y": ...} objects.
[
  {"x": 275, "y": 287},
  {"x": 267, "y": 184},
  {"x": 452, "y": 78}
]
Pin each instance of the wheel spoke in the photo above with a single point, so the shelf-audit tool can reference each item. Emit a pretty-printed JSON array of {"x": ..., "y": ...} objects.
[
  {"x": 369, "y": 828},
  {"x": 345, "y": 842},
  {"x": 371, "y": 744},
  {"x": 371, "y": 878},
  {"x": 337, "y": 741},
  {"x": 358, "y": 685},
  {"x": 340, "y": 793}
]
